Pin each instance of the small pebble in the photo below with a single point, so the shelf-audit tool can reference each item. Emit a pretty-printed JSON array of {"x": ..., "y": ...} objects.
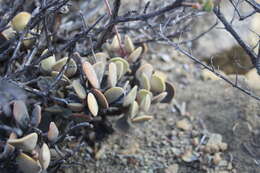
[
  {"x": 195, "y": 133},
  {"x": 195, "y": 141},
  {"x": 223, "y": 146},
  {"x": 230, "y": 167},
  {"x": 216, "y": 158},
  {"x": 176, "y": 151},
  {"x": 100, "y": 153},
  {"x": 206, "y": 149},
  {"x": 214, "y": 142},
  {"x": 184, "y": 124},
  {"x": 172, "y": 169},
  {"x": 223, "y": 172},
  {"x": 188, "y": 156},
  {"x": 214, "y": 148}
]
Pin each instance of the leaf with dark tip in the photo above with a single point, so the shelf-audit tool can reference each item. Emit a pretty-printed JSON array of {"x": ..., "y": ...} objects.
[{"x": 102, "y": 101}]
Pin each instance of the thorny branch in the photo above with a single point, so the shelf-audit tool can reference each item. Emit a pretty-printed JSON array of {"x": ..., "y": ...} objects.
[
  {"x": 153, "y": 23},
  {"x": 210, "y": 68},
  {"x": 255, "y": 9},
  {"x": 254, "y": 4},
  {"x": 173, "y": 9},
  {"x": 170, "y": 7},
  {"x": 232, "y": 31},
  {"x": 172, "y": 14}
]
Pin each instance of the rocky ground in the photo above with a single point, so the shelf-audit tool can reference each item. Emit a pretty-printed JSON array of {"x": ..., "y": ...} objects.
[{"x": 209, "y": 127}]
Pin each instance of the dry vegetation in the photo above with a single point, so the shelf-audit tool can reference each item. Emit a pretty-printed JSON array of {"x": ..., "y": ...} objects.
[{"x": 84, "y": 81}]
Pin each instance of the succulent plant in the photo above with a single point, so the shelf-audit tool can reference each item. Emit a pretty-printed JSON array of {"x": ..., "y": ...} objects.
[
  {"x": 31, "y": 153},
  {"x": 116, "y": 83},
  {"x": 119, "y": 79}
]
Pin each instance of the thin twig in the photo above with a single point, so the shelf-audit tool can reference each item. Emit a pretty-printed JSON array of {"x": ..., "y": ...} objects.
[
  {"x": 176, "y": 46},
  {"x": 236, "y": 36}
]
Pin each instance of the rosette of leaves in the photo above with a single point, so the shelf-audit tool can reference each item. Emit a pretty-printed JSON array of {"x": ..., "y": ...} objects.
[{"x": 115, "y": 82}]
